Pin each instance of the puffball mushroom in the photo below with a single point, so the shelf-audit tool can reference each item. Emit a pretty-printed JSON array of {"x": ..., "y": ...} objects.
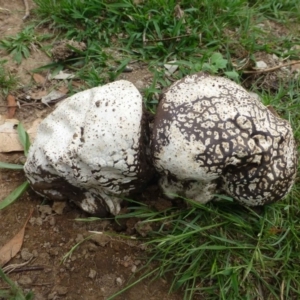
[
  {"x": 210, "y": 135},
  {"x": 91, "y": 149}
]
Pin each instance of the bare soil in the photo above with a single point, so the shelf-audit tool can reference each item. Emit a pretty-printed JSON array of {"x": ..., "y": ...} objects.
[{"x": 98, "y": 267}]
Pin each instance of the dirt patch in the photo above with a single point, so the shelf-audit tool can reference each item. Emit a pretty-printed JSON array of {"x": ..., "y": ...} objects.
[{"x": 97, "y": 268}]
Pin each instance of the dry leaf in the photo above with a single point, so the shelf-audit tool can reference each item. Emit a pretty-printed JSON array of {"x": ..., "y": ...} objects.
[
  {"x": 39, "y": 78},
  {"x": 9, "y": 138},
  {"x": 63, "y": 89},
  {"x": 77, "y": 84},
  {"x": 178, "y": 12},
  {"x": 38, "y": 95},
  {"x": 33, "y": 129},
  {"x": 261, "y": 65},
  {"x": 171, "y": 67},
  {"x": 12, "y": 105},
  {"x": 52, "y": 96},
  {"x": 12, "y": 247},
  {"x": 61, "y": 76},
  {"x": 295, "y": 67}
]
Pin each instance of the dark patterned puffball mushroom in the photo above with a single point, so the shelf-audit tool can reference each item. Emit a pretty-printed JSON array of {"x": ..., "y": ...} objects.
[
  {"x": 91, "y": 149},
  {"x": 210, "y": 135}
]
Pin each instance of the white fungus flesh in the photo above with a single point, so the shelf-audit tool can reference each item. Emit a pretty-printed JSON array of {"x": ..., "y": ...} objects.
[
  {"x": 210, "y": 135},
  {"x": 91, "y": 149}
]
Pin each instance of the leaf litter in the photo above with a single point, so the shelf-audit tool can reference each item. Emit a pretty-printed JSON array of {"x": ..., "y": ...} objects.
[{"x": 13, "y": 246}]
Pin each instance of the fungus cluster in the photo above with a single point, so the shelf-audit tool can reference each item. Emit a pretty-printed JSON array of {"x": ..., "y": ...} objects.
[{"x": 209, "y": 136}]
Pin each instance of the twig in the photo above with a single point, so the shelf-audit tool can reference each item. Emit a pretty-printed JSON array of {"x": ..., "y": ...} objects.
[
  {"x": 27, "y": 104},
  {"x": 273, "y": 68},
  {"x": 282, "y": 290},
  {"x": 5, "y": 9},
  {"x": 26, "y": 269},
  {"x": 10, "y": 268},
  {"x": 42, "y": 284},
  {"x": 27, "y": 13},
  {"x": 37, "y": 103}
]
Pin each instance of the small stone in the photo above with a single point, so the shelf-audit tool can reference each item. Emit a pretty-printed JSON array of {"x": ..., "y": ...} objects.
[
  {"x": 51, "y": 220},
  {"x": 100, "y": 239},
  {"x": 143, "y": 228},
  {"x": 119, "y": 281},
  {"x": 26, "y": 255},
  {"x": 261, "y": 65},
  {"x": 45, "y": 210},
  {"x": 92, "y": 274},
  {"x": 125, "y": 264},
  {"x": 51, "y": 296},
  {"x": 32, "y": 220},
  {"x": 25, "y": 280},
  {"x": 79, "y": 238},
  {"x": 139, "y": 84},
  {"x": 73, "y": 258},
  {"x": 35, "y": 253},
  {"x": 62, "y": 290},
  {"x": 61, "y": 50},
  {"x": 47, "y": 245},
  {"x": 39, "y": 221},
  {"x": 53, "y": 252},
  {"x": 58, "y": 207},
  {"x": 133, "y": 269},
  {"x": 137, "y": 262}
]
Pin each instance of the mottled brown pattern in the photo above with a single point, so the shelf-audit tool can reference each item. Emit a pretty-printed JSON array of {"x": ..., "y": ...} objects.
[{"x": 209, "y": 129}]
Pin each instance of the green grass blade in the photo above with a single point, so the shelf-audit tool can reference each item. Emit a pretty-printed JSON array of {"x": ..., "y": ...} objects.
[
  {"x": 24, "y": 138},
  {"x": 14, "y": 195},
  {"x": 10, "y": 166}
]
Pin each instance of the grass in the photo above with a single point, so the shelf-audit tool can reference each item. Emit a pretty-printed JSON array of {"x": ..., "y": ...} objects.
[
  {"x": 21, "y": 45},
  {"x": 220, "y": 250},
  {"x": 8, "y": 81},
  {"x": 13, "y": 292},
  {"x": 223, "y": 251},
  {"x": 18, "y": 192},
  {"x": 154, "y": 32}
]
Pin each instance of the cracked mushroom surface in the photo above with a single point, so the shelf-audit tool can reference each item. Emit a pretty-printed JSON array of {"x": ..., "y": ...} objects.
[
  {"x": 210, "y": 135},
  {"x": 91, "y": 149}
]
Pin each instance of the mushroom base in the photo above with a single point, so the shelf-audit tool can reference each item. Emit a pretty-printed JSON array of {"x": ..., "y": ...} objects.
[
  {"x": 56, "y": 188},
  {"x": 199, "y": 191}
]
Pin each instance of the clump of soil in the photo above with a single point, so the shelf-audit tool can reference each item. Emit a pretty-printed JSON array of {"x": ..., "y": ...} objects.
[{"x": 63, "y": 49}]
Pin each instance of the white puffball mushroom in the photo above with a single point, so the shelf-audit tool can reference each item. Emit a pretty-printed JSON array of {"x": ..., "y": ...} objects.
[
  {"x": 92, "y": 149},
  {"x": 210, "y": 135}
]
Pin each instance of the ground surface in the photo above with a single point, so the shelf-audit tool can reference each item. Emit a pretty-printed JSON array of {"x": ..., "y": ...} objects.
[{"x": 98, "y": 268}]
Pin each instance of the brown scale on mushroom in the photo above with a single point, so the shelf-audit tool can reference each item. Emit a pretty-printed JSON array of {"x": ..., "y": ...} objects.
[{"x": 210, "y": 135}]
